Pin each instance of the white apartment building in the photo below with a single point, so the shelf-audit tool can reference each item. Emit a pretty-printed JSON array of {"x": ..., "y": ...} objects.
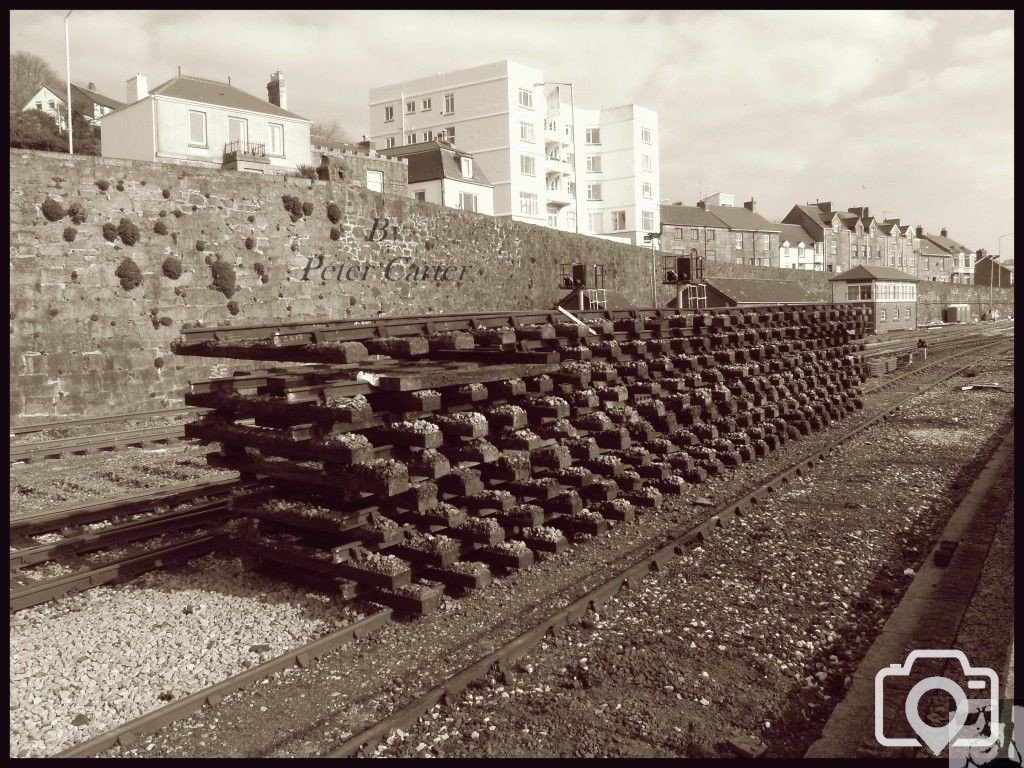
[{"x": 551, "y": 162}]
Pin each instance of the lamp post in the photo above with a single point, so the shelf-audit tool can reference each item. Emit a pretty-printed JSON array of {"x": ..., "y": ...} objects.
[
  {"x": 67, "y": 61},
  {"x": 575, "y": 158}
]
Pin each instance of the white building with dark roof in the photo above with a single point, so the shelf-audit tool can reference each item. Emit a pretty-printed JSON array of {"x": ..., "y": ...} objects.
[
  {"x": 208, "y": 123},
  {"x": 441, "y": 174},
  {"x": 87, "y": 102}
]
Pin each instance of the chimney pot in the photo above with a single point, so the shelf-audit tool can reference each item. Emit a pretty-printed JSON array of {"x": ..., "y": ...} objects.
[
  {"x": 92, "y": 86},
  {"x": 277, "y": 94},
  {"x": 944, "y": 232},
  {"x": 749, "y": 205},
  {"x": 920, "y": 230},
  {"x": 138, "y": 89}
]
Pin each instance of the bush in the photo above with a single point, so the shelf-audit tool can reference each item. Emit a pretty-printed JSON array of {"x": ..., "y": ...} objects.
[
  {"x": 293, "y": 205},
  {"x": 166, "y": 321},
  {"x": 77, "y": 213},
  {"x": 252, "y": 219},
  {"x": 333, "y": 213},
  {"x": 130, "y": 274},
  {"x": 177, "y": 213},
  {"x": 54, "y": 311},
  {"x": 166, "y": 193},
  {"x": 103, "y": 184},
  {"x": 120, "y": 185},
  {"x": 159, "y": 362},
  {"x": 94, "y": 317},
  {"x": 200, "y": 245},
  {"x": 307, "y": 172},
  {"x": 307, "y": 209},
  {"x": 110, "y": 231},
  {"x": 162, "y": 214},
  {"x": 34, "y": 129},
  {"x": 335, "y": 233},
  {"x": 233, "y": 307},
  {"x": 160, "y": 228},
  {"x": 172, "y": 268},
  {"x": 52, "y": 210},
  {"x": 250, "y": 243},
  {"x": 223, "y": 278},
  {"x": 128, "y": 232},
  {"x": 70, "y": 233}
]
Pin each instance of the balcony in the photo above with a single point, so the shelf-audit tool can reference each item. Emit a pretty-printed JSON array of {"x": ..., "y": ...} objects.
[
  {"x": 238, "y": 155},
  {"x": 557, "y": 165},
  {"x": 557, "y": 194}
]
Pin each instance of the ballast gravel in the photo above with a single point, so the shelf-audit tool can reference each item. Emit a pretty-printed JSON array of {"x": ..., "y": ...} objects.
[{"x": 88, "y": 662}]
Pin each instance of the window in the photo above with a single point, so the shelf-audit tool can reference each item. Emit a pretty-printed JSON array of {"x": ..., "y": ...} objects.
[
  {"x": 39, "y": 105},
  {"x": 526, "y": 132},
  {"x": 738, "y": 237},
  {"x": 881, "y": 314},
  {"x": 51, "y": 104},
  {"x": 528, "y": 203},
  {"x": 421, "y": 195},
  {"x": 389, "y": 142},
  {"x": 410, "y": 138},
  {"x": 450, "y": 133},
  {"x": 276, "y": 139},
  {"x": 375, "y": 181},
  {"x": 571, "y": 221},
  {"x": 927, "y": 267},
  {"x": 694, "y": 233},
  {"x": 645, "y": 135},
  {"x": 467, "y": 201},
  {"x": 595, "y": 223},
  {"x": 618, "y": 220},
  {"x": 646, "y": 163},
  {"x": 449, "y": 103},
  {"x": 425, "y": 105},
  {"x": 526, "y": 98},
  {"x": 647, "y": 190},
  {"x": 389, "y": 114},
  {"x": 765, "y": 241},
  {"x": 906, "y": 313},
  {"x": 410, "y": 107},
  {"x": 572, "y": 189},
  {"x": 852, "y": 292},
  {"x": 196, "y": 128},
  {"x": 709, "y": 234},
  {"x": 552, "y": 218},
  {"x": 467, "y": 168},
  {"x": 832, "y": 247},
  {"x": 593, "y": 163},
  {"x": 647, "y": 221},
  {"x": 593, "y": 136},
  {"x": 593, "y": 191},
  {"x": 527, "y": 165}
]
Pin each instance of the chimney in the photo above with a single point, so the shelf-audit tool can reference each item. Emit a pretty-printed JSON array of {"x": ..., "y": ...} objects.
[
  {"x": 702, "y": 205},
  {"x": 276, "y": 92},
  {"x": 678, "y": 202},
  {"x": 138, "y": 89},
  {"x": 92, "y": 86},
  {"x": 944, "y": 232},
  {"x": 825, "y": 207},
  {"x": 919, "y": 230},
  {"x": 749, "y": 205}
]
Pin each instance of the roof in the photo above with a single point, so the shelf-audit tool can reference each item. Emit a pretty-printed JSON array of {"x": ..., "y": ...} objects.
[
  {"x": 793, "y": 233},
  {"x": 928, "y": 248},
  {"x": 689, "y": 216},
  {"x": 204, "y": 91},
  {"x": 871, "y": 272},
  {"x": 94, "y": 96},
  {"x": 743, "y": 290},
  {"x": 947, "y": 244},
  {"x": 433, "y": 160},
  {"x": 742, "y": 218}
]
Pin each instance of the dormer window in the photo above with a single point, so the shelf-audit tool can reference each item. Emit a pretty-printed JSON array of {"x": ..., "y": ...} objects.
[
  {"x": 467, "y": 167},
  {"x": 835, "y": 224}
]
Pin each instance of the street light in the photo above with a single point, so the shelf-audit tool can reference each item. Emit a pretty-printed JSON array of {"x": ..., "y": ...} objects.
[
  {"x": 67, "y": 61},
  {"x": 575, "y": 159}
]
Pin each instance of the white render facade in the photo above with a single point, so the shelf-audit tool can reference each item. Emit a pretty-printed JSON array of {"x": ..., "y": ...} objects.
[{"x": 596, "y": 174}]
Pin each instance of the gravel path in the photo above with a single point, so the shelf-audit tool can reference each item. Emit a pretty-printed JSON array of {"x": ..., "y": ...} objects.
[
  {"x": 751, "y": 637},
  {"x": 45, "y": 485},
  {"x": 90, "y": 661},
  {"x": 317, "y": 708}
]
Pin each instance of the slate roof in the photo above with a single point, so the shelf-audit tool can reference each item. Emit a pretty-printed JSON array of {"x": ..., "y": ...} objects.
[
  {"x": 689, "y": 216},
  {"x": 872, "y": 272},
  {"x": 433, "y": 160},
  {"x": 928, "y": 248},
  {"x": 946, "y": 243},
  {"x": 204, "y": 91},
  {"x": 744, "y": 290},
  {"x": 738, "y": 218},
  {"x": 793, "y": 234},
  {"x": 77, "y": 92}
]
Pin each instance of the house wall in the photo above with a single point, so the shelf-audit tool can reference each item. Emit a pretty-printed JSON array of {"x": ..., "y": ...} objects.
[
  {"x": 454, "y": 187},
  {"x": 756, "y": 247},
  {"x": 431, "y": 191},
  {"x": 710, "y": 242},
  {"x": 45, "y": 96},
  {"x": 172, "y": 116},
  {"x": 127, "y": 134},
  {"x": 80, "y": 342}
]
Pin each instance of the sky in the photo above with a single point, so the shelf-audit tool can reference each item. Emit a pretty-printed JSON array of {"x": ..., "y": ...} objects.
[{"x": 910, "y": 113}]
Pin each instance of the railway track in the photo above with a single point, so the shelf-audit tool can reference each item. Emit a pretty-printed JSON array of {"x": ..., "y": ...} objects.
[
  {"x": 46, "y": 426},
  {"x": 186, "y": 516},
  {"x": 632, "y": 565},
  {"x": 108, "y": 441}
]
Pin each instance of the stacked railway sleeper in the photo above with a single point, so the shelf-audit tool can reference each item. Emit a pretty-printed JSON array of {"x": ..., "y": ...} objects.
[{"x": 405, "y": 460}]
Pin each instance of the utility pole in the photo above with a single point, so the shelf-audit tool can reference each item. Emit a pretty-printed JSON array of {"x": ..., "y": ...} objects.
[{"x": 67, "y": 61}]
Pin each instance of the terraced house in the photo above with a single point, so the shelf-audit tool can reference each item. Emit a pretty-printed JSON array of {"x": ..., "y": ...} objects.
[
  {"x": 753, "y": 240},
  {"x": 855, "y": 237},
  {"x": 961, "y": 265},
  {"x": 933, "y": 263},
  {"x": 693, "y": 231}
]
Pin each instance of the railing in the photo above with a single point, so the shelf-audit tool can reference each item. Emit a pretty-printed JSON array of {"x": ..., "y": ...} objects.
[{"x": 245, "y": 148}]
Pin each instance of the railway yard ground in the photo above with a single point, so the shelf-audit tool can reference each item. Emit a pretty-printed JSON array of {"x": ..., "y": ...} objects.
[{"x": 742, "y": 645}]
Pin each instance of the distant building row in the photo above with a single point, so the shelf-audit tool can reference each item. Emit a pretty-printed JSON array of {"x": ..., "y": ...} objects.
[{"x": 813, "y": 237}]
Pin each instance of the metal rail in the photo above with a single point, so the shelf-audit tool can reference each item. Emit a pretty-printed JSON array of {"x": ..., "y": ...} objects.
[
  {"x": 71, "y": 423},
  {"x": 108, "y": 441},
  {"x": 128, "y": 733}
]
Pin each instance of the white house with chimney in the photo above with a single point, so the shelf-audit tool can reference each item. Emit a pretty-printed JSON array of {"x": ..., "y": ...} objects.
[
  {"x": 88, "y": 103},
  {"x": 195, "y": 121}
]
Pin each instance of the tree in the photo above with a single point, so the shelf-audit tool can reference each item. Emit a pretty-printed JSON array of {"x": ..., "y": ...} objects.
[
  {"x": 330, "y": 132},
  {"x": 29, "y": 73},
  {"x": 34, "y": 129}
]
